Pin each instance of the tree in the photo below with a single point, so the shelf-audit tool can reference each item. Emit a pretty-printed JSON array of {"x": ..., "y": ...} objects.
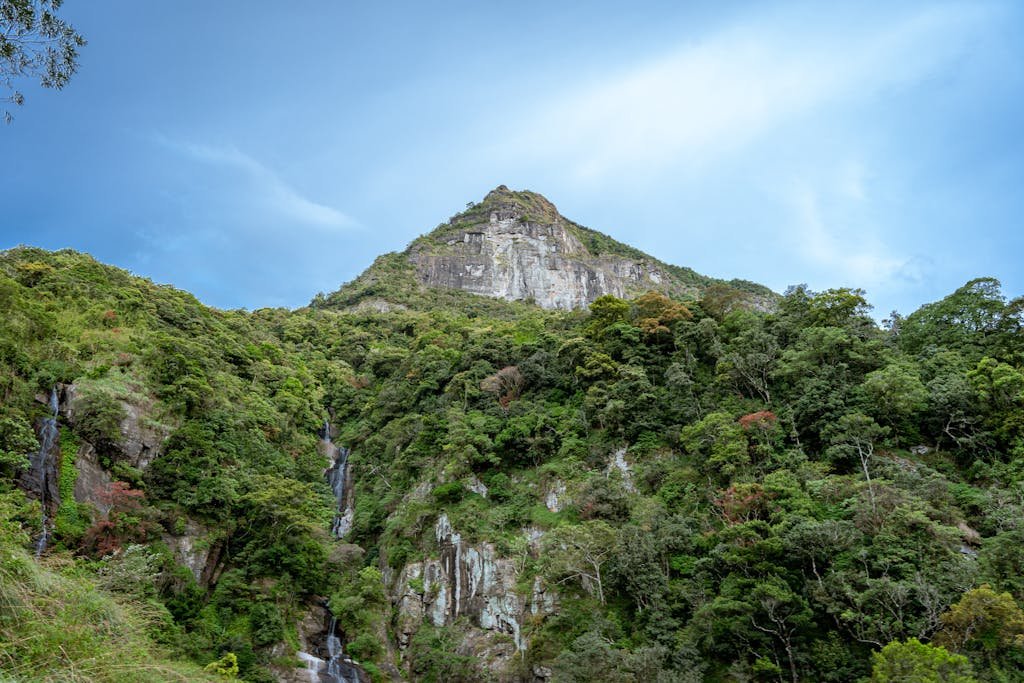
[
  {"x": 719, "y": 299},
  {"x": 1000, "y": 388},
  {"x": 639, "y": 566},
  {"x": 226, "y": 666},
  {"x": 605, "y": 311},
  {"x": 656, "y": 313},
  {"x": 16, "y": 441},
  {"x": 580, "y": 553},
  {"x": 894, "y": 393},
  {"x": 750, "y": 368},
  {"x": 506, "y": 384},
  {"x": 35, "y": 42},
  {"x": 983, "y": 620},
  {"x": 917, "y": 662},
  {"x": 717, "y": 444},
  {"x": 856, "y": 434},
  {"x": 97, "y": 417},
  {"x": 975, "y": 320},
  {"x": 842, "y": 307},
  {"x": 781, "y": 614}
]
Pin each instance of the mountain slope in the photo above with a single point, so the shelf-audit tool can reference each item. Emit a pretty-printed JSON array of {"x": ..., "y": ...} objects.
[
  {"x": 644, "y": 491},
  {"x": 515, "y": 246}
]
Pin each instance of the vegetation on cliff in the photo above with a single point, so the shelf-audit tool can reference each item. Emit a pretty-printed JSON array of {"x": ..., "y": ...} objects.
[{"x": 787, "y": 495}]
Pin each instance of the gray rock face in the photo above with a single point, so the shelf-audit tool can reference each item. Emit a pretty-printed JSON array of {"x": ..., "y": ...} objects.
[
  {"x": 618, "y": 465},
  {"x": 92, "y": 480},
  {"x": 510, "y": 255},
  {"x": 556, "y": 496},
  {"x": 515, "y": 246},
  {"x": 468, "y": 580},
  {"x": 197, "y": 549},
  {"x": 141, "y": 439}
]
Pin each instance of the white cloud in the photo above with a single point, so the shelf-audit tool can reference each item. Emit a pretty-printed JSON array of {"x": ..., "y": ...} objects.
[
  {"x": 268, "y": 189},
  {"x": 704, "y": 101},
  {"x": 856, "y": 257}
]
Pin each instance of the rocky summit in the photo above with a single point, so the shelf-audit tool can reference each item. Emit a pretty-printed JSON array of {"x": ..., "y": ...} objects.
[{"x": 516, "y": 246}]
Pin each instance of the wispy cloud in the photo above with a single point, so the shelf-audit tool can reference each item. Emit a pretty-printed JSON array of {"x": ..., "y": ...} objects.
[
  {"x": 854, "y": 256},
  {"x": 706, "y": 100},
  {"x": 268, "y": 189}
]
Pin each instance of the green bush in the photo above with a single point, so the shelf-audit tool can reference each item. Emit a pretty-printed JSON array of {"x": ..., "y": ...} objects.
[{"x": 97, "y": 419}]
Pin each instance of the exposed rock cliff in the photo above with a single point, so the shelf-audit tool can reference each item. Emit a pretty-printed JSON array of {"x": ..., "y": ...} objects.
[
  {"x": 141, "y": 438},
  {"x": 471, "y": 581},
  {"x": 517, "y": 247}
]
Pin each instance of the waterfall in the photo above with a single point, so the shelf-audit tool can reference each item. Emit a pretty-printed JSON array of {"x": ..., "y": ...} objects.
[
  {"x": 336, "y": 667},
  {"x": 340, "y": 669},
  {"x": 41, "y": 466},
  {"x": 337, "y": 477}
]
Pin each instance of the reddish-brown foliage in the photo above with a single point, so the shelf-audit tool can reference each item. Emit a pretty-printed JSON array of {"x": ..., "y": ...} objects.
[
  {"x": 123, "y": 521},
  {"x": 359, "y": 381},
  {"x": 506, "y": 384},
  {"x": 762, "y": 419},
  {"x": 742, "y": 503},
  {"x": 656, "y": 313},
  {"x": 120, "y": 496}
]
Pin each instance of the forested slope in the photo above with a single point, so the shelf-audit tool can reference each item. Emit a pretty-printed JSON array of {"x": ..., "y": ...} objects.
[{"x": 661, "y": 490}]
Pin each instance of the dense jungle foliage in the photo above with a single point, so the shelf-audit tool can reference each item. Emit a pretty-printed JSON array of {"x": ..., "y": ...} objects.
[{"x": 809, "y": 496}]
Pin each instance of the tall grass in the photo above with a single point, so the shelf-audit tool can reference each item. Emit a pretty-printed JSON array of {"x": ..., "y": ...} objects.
[{"x": 55, "y": 626}]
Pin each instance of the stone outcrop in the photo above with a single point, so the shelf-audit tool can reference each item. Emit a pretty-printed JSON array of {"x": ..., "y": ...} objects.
[
  {"x": 555, "y": 498},
  {"x": 141, "y": 438},
  {"x": 522, "y": 250},
  {"x": 197, "y": 548},
  {"x": 92, "y": 480},
  {"x": 470, "y": 581},
  {"x": 617, "y": 465},
  {"x": 515, "y": 246}
]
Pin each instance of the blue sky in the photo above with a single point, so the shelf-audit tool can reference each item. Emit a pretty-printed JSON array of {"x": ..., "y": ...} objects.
[{"x": 257, "y": 153}]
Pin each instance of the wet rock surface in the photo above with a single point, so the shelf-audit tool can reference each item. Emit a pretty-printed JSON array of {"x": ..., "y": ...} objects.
[{"x": 472, "y": 582}]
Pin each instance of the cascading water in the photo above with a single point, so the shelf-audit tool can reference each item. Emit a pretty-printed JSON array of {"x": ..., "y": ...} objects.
[
  {"x": 332, "y": 665},
  {"x": 340, "y": 668},
  {"x": 337, "y": 477},
  {"x": 41, "y": 465}
]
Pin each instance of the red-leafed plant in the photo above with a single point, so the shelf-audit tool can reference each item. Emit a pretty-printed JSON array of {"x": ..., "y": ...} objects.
[{"x": 124, "y": 519}]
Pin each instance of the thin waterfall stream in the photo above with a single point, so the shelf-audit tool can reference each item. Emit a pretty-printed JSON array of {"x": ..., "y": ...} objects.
[
  {"x": 337, "y": 476},
  {"x": 41, "y": 465},
  {"x": 340, "y": 668},
  {"x": 337, "y": 667}
]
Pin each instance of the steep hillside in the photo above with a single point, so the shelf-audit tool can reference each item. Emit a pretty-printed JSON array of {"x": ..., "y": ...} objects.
[
  {"x": 515, "y": 246},
  {"x": 471, "y": 489}
]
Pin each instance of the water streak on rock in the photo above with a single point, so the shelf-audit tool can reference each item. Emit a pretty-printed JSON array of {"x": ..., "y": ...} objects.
[{"x": 43, "y": 470}]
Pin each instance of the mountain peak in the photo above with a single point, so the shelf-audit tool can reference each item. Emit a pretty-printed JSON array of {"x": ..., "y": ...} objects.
[
  {"x": 514, "y": 245},
  {"x": 522, "y": 204}
]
